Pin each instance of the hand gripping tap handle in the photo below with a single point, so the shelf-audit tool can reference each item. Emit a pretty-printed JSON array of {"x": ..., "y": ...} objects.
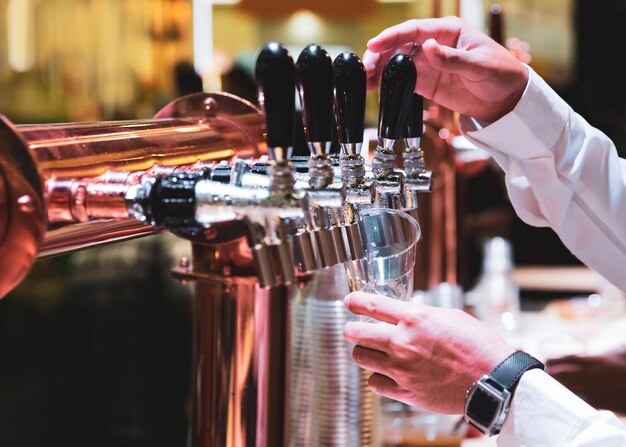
[
  {"x": 314, "y": 79},
  {"x": 350, "y": 90},
  {"x": 275, "y": 79},
  {"x": 397, "y": 85}
]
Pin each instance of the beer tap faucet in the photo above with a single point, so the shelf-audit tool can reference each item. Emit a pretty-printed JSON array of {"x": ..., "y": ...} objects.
[
  {"x": 416, "y": 178},
  {"x": 397, "y": 85},
  {"x": 413, "y": 156},
  {"x": 314, "y": 78},
  {"x": 272, "y": 214},
  {"x": 275, "y": 78},
  {"x": 350, "y": 89}
]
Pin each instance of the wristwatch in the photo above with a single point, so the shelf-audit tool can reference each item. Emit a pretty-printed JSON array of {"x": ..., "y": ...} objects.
[{"x": 487, "y": 401}]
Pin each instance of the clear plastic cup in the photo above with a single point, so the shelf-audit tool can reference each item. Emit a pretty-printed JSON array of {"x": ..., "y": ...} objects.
[
  {"x": 389, "y": 239},
  {"x": 332, "y": 404}
]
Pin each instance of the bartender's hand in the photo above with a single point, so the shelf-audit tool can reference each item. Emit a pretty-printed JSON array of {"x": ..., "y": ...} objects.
[
  {"x": 458, "y": 66},
  {"x": 421, "y": 355},
  {"x": 598, "y": 379}
]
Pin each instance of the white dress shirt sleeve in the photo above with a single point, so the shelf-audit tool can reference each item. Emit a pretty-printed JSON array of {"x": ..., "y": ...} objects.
[
  {"x": 546, "y": 414},
  {"x": 563, "y": 173}
]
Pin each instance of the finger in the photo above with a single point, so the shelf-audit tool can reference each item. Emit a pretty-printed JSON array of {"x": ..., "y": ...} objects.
[
  {"x": 374, "y": 65},
  {"x": 416, "y": 31},
  {"x": 371, "y": 359},
  {"x": 370, "y": 335},
  {"x": 386, "y": 386},
  {"x": 450, "y": 60},
  {"x": 370, "y": 62},
  {"x": 381, "y": 307}
]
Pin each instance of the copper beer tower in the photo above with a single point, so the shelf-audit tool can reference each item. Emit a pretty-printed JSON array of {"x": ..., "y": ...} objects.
[{"x": 219, "y": 172}]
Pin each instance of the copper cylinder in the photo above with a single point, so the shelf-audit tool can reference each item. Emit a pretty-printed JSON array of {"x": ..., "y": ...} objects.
[
  {"x": 62, "y": 186},
  {"x": 436, "y": 257},
  {"x": 241, "y": 345}
]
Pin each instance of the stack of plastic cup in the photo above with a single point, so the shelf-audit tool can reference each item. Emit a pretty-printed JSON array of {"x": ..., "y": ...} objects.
[{"x": 342, "y": 411}]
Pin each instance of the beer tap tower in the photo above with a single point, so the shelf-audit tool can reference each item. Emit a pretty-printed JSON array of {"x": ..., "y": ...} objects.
[{"x": 259, "y": 231}]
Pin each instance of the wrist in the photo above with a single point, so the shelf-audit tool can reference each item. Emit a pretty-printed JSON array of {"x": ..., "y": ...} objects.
[
  {"x": 517, "y": 82},
  {"x": 487, "y": 401},
  {"x": 490, "y": 357},
  {"x": 521, "y": 82}
]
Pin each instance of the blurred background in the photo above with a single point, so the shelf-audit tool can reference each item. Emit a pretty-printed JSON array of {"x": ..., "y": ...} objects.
[{"x": 95, "y": 347}]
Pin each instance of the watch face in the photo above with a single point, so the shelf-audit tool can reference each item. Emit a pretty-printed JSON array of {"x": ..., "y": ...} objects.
[{"x": 483, "y": 407}]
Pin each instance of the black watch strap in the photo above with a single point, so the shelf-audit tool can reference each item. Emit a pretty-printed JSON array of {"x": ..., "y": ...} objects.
[
  {"x": 511, "y": 369},
  {"x": 487, "y": 401}
]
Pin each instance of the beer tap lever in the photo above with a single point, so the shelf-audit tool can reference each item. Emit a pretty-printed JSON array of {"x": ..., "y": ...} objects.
[
  {"x": 314, "y": 79},
  {"x": 414, "y": 125},
  {"x": 417, "y": 179},
  {"x": 350, "y": 89},
  {"x": 275, "y": 79},
  {"x": 276, "y": 87},
  {"x": 397, "y": 85},
  {"x": 413, "y": 156}
]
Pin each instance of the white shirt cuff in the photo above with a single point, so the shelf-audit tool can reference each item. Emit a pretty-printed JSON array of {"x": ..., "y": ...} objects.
[
  {"x": 545, "y": 413},
  {"x": 532, "y": 126}
]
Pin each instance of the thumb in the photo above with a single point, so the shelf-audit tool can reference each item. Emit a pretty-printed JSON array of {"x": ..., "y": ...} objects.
[{"x": 448, "y": 59}]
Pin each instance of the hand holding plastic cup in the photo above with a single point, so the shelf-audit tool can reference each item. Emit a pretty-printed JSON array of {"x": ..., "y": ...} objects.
[{"x": 389, "y": 239}]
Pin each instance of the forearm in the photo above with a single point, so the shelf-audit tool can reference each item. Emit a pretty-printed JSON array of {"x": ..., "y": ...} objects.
[{"x": 562, "y": 173}]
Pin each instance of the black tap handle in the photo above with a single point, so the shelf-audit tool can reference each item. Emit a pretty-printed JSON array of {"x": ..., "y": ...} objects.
[
  {"x": 496, "y": 23},
  {"x": 276, "y": 87},
  {"x": 350, "y": 89},
  {"x": 314, "y": 79},
  {"x": 398, "y": 82},
  {"x": 414, "y": 125}
]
